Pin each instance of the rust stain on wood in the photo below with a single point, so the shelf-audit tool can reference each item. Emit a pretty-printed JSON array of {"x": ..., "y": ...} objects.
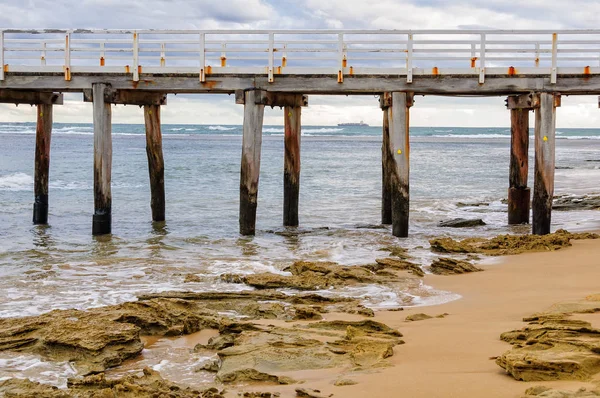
[
  {"x": 473, "y": 60},
  {"x": 209, "y": 84},
  {"x": 208, "y": 70},
  {"x": 435, "y": 71},
  {"x": 512, "y": 71}
]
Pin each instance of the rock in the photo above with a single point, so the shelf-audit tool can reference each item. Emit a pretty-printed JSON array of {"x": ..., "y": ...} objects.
[
  {"x": 450, "y": 266},
  {"x": 396, "y": 251},
  {"x": 256, "y": 394},
  {"x": 307, "y": 313},
  {"x": 344, "y": 382},
  {"x": 252, "y": 375},
  {"x": 190, "y": 278},
  {"x": 417, "y": 317},
  {"x": 310, "y": 393},
  {"x": 92, "y": 344},
  {"x": 576, "y": 202},
  {"x": 509, "y": 244},
  {"x": 552, "y": 347},
  {"x": 542, "y": 391},
  {"x": 307, "y": 275},
  {"x": 461, "y": 223},
  {"x": 400, "y": 264},
  {"x": 472, "y": 204},
  {"x": 423, "y": 317},
  {"x": 148, "y": 385}
]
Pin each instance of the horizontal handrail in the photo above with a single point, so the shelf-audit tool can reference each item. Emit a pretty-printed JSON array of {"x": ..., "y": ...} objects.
[{"x": 280, "y": 52}]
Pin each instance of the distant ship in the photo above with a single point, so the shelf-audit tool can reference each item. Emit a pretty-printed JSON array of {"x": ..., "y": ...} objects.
[{"x": 361, "y": 124}]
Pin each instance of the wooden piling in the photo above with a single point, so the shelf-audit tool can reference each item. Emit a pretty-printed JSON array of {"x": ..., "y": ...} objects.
[
  {"x": 156, "y": 164},
  {"x": 545, "y": 124},
  {"x": 291, "y": 173},
  {"x": 251, "y": 145},
  {"x": 399, "y": 151},
  {"x": 42, "y": 163},
  {"x": 518, "y": 192},
  {"x": 386, "y": 164},
  {"x": 101, "y": 222}
]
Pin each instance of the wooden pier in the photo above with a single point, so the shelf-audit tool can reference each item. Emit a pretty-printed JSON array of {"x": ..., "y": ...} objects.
[{"x": 531, "y": 68}]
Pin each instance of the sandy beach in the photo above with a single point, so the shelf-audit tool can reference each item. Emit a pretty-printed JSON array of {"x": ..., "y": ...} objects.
[{"x": 450, "y": 357}]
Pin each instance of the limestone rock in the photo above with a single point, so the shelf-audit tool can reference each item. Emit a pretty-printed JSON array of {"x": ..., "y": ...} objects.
[
  {"x": 400, "y": 264},
  {"x": 417, "y": 317},
  {"x": 310, "y": 393},
  {"x": 552, "y": 347},
  {"x": 450, "y": 266},
  {"x": 148, "y": 385},
  {"x": 461, "y": 223},
  {"x": 547, "y": 392},
  {"x": 344, "y": 382},
  {"x": 509, "y": 244},
  {"x": 576, "y": 202}
]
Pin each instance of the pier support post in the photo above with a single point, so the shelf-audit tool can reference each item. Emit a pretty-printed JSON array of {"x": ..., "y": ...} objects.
[
  {"x": 254, "y": 102},
  {"x": 545, "y": 134},
  {"x": 156, "y": 164},
  {"x": 44, "y": 101},
  {"x": 518, "y": 192},
  {"x": 151, "y": 101},
  {"x": 101, "y": 221},
  {"x": 43, "y": 133},
  {"x": 254, "y": 109},
  {"x": 291, "y": 172},
  {"x": 399, "y": 159},
  {"x": 386, "y": 187}
]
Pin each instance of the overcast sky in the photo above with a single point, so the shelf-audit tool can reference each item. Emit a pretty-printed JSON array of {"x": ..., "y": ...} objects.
[{"x": 307, "y": 14}]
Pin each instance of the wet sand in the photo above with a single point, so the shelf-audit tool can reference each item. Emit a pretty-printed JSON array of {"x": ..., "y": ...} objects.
[{"x": 450, "y": 357}]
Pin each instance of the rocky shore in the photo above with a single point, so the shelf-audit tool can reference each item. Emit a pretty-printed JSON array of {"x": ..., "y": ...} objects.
[{"x": 269, "y": 337}]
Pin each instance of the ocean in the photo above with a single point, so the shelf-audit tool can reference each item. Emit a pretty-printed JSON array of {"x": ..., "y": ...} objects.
[{"x": 63, "y": 266}]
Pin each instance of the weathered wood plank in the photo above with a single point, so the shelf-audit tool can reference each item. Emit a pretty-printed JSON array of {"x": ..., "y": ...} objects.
[
  {"x": 43, "y": 134},
  {"x": 273, "y": 99},
  {"x": 399, "y": 151},
  {"x": 518, "y": 192},
  {"x": 526, "y": 101},
  {"x": 387, "y": 164},
  {"x": 156, "y": 164},
  {"x": 102, "y": 219},
  {"x": 359, "y": 85},
  {"x": 545, "y": 134},
  {"x": 250, "y": 170},
  {"x": 291, "y": 173},
  {"x": 129, "y": 97},
  {"x": 30, "y": 97}
]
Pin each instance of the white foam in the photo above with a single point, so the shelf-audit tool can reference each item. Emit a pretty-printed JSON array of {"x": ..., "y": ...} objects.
[
  {"x": 222, "y": 128},
  {"x": 16, "y": 182},
  {"x": 27, "y": 366}
]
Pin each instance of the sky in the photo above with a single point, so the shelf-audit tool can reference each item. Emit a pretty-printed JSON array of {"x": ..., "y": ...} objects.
[{"x": 306, "y": 14}]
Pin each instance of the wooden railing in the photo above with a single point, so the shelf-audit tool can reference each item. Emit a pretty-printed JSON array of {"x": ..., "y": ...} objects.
[{"x": 338, "y": 53}]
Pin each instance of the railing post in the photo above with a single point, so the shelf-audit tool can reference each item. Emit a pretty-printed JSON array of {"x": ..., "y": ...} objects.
[
  {"x": 554, "y": 58},
  {"x": 43, "y": 58},
  {"x": 284, "y": 57},
  {"x": 136, "y": 62},
  {"x": 102, "y": 60},
  {"x": 409, "y": 54},
  {"x": 162, "y": 55},
  {"x": 223, "y": 55},
  {"x": 482, "y": 59},
  {"x": 1, "y": 55},
  {"x": 202, "y": 58},
  {"x": 271, "y": 56},
  {"x": 537, "y": 55},
  {"x": 341, "y": 57},
  {"x": 473, "y": 54},
  {"x": 67, "y": 67}
]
